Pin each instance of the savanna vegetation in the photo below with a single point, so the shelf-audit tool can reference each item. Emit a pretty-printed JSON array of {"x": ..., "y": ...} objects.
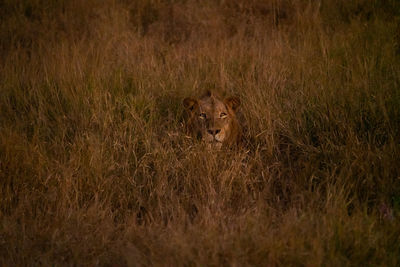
[{"x": 95, "y": 168}]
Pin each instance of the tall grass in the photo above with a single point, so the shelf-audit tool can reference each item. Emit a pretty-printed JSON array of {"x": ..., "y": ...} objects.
[{"x": 95, "y": 168}]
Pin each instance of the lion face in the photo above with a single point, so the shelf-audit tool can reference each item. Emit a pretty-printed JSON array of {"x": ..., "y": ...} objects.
[{"x": 213, "y": 120}]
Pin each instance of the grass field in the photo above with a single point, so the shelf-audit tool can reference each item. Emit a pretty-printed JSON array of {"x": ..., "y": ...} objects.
[{"x": 95, "y": 168}]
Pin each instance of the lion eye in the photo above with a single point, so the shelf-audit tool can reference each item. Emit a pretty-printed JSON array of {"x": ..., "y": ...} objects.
[
  {"x": 222, "y": 115},
  {"x": 202, "y": 115}
]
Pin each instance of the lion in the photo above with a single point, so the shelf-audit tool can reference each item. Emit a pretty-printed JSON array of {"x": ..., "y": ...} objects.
[{"x": 214, "y": 120}]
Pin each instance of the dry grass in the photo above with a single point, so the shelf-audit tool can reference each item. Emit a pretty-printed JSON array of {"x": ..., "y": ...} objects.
[{"x": 95, "y": 171}]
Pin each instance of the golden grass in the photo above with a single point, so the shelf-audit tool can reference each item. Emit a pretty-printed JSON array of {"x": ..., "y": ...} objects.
[{"x": 95, "y": 169}]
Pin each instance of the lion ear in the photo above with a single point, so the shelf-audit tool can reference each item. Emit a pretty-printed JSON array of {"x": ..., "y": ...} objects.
[
  {"x": 233, "y": 102},
  {"x": 189, "y": 103}
]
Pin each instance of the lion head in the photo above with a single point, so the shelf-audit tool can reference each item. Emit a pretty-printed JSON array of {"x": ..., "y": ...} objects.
[{"x": 213, "y": 120}]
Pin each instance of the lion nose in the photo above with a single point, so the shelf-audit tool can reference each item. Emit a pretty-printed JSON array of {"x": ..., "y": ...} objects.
[{"x": 214, "y": 131}]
